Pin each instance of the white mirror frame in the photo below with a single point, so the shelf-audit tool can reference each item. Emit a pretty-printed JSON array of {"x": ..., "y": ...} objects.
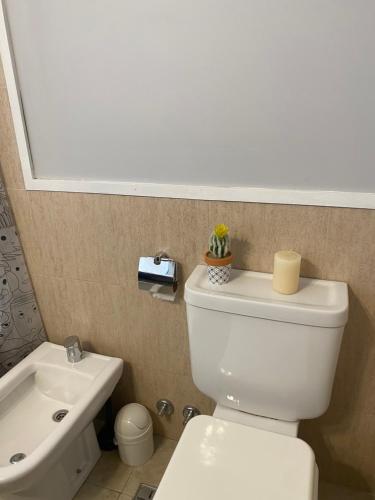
[{"x": 220, "y": 193}]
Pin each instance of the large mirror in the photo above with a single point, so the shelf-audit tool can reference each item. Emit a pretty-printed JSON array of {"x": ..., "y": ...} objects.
[{"x": 250, "y": 100}]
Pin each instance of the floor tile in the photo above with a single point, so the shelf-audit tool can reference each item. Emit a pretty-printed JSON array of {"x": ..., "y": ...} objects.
[
  {"x": 110, "y": 472},
  {"x": 92, "y": 492},
  {"x": 152, "y": 471},
  {"x": 328, "y": 491}
]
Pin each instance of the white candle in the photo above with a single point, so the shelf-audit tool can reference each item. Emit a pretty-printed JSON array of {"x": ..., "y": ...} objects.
[{"x": 286, "y": 269}]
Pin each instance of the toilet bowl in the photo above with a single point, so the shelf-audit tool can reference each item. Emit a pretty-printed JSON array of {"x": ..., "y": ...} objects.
[
  {"x": 268, "y": 360},
  {"x": 221, "y": 460}
]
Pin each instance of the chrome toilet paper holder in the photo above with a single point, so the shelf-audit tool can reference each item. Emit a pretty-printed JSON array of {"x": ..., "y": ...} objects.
[{"x": 158, "y": 275}]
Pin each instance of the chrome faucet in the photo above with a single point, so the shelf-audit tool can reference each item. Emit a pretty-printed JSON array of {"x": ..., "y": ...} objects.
[{"x": 73, "y": 349}]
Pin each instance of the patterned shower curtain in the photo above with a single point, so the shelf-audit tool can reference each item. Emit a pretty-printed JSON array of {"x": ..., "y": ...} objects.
[{"x": 21, "y": 327}]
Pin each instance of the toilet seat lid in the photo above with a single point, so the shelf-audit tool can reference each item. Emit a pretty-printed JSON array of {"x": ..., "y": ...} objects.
[{"x": 221, "y": 460}]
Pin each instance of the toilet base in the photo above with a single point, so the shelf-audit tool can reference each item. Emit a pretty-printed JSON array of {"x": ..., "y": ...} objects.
[{"x": 67, "y": 475}]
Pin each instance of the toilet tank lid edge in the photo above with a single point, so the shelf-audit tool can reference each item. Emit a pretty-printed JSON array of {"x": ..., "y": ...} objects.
[{"x": 317, "y": 303}]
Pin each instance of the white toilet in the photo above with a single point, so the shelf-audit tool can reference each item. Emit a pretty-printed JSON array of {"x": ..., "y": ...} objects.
[{"x": 268, "y": 360}]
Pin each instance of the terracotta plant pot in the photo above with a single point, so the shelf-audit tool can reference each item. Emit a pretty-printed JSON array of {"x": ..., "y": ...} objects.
[{"x": 218, "y": 269}]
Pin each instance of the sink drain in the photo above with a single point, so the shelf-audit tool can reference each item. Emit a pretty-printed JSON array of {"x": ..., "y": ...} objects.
[
  {"x": 59, "y": 415},
  {"x": 14, "y": 459}
]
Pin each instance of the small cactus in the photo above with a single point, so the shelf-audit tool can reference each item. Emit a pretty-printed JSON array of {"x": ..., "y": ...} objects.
[{"x": 218, "y": 244}]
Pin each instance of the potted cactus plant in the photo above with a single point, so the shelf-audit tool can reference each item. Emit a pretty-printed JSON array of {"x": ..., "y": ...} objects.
[{"x": 219, "y": 258}]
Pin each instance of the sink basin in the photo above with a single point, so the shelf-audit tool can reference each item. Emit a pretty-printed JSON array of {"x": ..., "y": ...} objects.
[{"x": 40, "y": 386}]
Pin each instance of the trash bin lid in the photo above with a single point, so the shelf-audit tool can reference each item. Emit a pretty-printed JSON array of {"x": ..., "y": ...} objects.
[{"x": 132, "y": 420}]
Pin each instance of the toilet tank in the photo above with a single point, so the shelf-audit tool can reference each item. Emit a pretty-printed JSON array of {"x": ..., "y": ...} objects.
[{"x": 257, "y": 351}]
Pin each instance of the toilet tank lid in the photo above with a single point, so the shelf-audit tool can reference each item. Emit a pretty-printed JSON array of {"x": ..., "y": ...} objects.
[{"x": 317, "y": 303}]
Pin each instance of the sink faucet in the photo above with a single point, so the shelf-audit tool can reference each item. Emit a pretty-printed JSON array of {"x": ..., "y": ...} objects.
[{"x": 73, "y": 349}]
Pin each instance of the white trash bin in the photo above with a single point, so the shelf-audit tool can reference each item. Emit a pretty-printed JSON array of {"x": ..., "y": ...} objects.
[{"x": 133, "y": 431}]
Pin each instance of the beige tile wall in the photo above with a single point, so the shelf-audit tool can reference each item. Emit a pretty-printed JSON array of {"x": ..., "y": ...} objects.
[{"x": 82, "y": 251}]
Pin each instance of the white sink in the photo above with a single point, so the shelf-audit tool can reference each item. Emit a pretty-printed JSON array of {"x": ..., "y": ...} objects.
[{"x": 43, "y": 383}]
